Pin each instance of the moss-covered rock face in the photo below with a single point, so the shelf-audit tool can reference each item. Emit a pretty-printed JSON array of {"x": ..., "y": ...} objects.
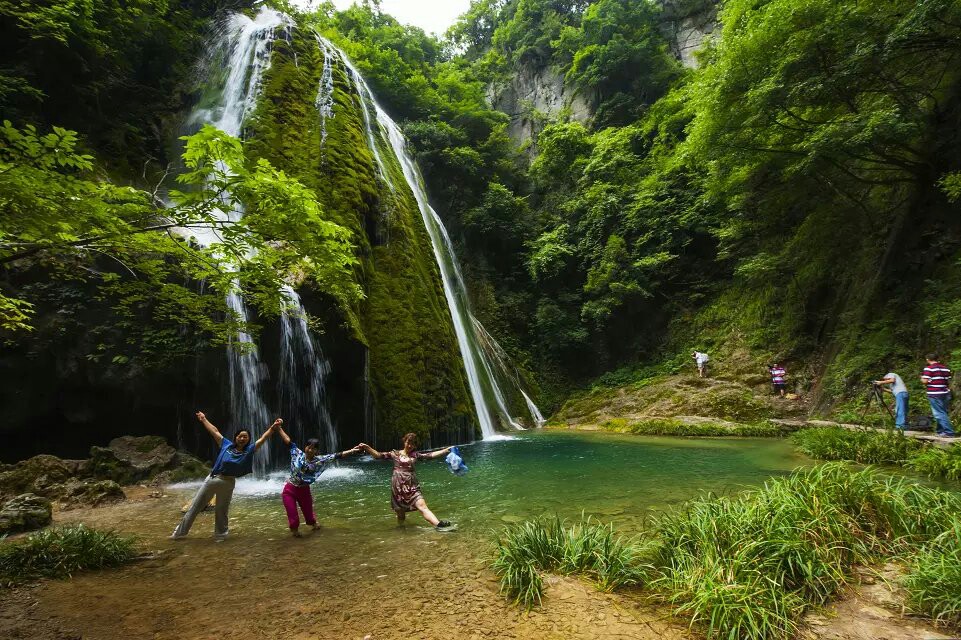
[
  {"x": 417, "y": 378},
  {"x": 26, "y": 512}
]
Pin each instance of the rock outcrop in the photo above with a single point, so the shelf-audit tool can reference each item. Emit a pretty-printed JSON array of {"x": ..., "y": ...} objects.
[
  {"x": 535, "y": 95},
  {"x": 687, "y": 24},
  {"x": 129, "y": 459},
  {"x": 25, "y": 512},
  {"x": 98, "y": 480}
]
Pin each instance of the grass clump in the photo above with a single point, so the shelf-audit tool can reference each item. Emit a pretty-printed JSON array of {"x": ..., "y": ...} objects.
[
  {"x": 674, "y": 427},
  {"x": 937, "y": 462},
  {"x": 586, "y": 547},
  {"x": 873, "y": 447},
  {"x": 748, "y": 566},
  {"x": 933, "y": 581},
  {"x": 60, "y": 552},
  {"x": 869, "y": 447},
  {"x": 745, "y": 566}
]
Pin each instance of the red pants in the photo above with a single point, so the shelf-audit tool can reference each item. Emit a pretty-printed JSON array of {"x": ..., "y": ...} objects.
[{"x": 292, "y": 496}]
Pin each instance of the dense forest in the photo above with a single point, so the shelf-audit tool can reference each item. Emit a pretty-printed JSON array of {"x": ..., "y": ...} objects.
[{"x": 793, "y": 195}]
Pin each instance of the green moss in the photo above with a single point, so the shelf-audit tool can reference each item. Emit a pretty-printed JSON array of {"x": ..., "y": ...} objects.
[{"x": 417, "y": 377}]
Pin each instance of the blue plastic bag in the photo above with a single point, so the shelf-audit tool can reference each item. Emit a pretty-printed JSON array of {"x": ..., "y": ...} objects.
[{"x": 455, "y": 463}]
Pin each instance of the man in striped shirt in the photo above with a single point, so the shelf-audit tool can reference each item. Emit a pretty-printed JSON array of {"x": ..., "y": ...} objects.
[{"x": 936, "y": 378}]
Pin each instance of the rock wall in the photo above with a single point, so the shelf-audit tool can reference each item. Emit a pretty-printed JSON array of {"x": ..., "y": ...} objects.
[
  {"x": 535, "y": 95},
  {"x": 687, "y": 24}
]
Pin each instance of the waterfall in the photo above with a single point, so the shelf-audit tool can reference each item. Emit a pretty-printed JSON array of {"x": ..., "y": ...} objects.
[
  {"x": 325, "y": 94},
  {"x": 242, "y": 48},
  {"x": 480, "y": 375},
  {"x": 303, "y": 376}
]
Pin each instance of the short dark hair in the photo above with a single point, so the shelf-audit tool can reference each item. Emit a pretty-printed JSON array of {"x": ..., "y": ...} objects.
[
  {"x": 931, "y": 356},
  {"x": 238, "y": 432},
  {"x": 312, "y": 442}
]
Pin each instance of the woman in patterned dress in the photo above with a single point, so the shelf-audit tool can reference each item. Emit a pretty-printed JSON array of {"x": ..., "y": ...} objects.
[{"x": 404, "y": 487}]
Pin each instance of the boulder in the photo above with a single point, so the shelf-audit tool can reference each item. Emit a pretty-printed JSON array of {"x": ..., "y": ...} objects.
[
  {"x": 186, "y": 467},
  {"x": 25, "y": 512},
  {"x": 42, "y": 475},
  {"x": 130, "y": 459},
  {"x": 90, "y": 493}
]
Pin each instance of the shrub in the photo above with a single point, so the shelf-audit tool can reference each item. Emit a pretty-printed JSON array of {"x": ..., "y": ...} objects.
[{"x": 60, "y": 552}]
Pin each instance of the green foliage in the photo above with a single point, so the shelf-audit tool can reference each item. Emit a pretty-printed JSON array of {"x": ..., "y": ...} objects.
[
  {"x": 114, "y": 71},
  {"x": 60, "y": 552},
  {"x": 870, "y": 447},
  {"x": 56, "y": 217},
  {"x": 587, "y": 547},
  {"x": 620, "y": 53},
  {"x": 933, "y": 580},
  {"x": 937, "y": 462},
  {"x": 749, "y": 566}
]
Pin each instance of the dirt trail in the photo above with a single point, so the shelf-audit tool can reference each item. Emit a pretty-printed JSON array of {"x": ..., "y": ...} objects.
[{"x": 871, "y": 610}]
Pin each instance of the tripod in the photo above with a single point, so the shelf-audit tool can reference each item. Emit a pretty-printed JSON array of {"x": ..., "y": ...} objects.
[{"x": 875, "y": 395}]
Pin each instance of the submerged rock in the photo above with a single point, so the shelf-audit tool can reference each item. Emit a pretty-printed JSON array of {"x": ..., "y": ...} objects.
[{"x": 25, "y": 512}]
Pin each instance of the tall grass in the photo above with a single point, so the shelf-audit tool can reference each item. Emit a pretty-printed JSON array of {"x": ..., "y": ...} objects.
[
  {"x": 869, "y": 447},
  {"x": 872, "y": 447},
  {"x": 937, "y": 462},
  {"x": 586, "y": 547},
  {"x": 933, "y": 581},
  {"x": 62, "y": 551},
  {"x": 748, "y": 566}
]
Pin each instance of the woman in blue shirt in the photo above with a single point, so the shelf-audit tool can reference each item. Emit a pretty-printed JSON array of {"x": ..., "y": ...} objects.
[
  {"x": 305, "y": 467},
  {"x": 235, "y": 459}
]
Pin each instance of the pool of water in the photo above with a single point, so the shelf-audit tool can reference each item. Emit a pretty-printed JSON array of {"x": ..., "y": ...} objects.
[
  {"x": 361, "y": 575},
  {"x": 621, "y": 479}
]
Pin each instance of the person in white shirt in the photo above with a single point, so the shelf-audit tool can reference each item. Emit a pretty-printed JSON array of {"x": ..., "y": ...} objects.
[
  {"x": 700, "y": 359},
  {"x": 893, "y": 384}
]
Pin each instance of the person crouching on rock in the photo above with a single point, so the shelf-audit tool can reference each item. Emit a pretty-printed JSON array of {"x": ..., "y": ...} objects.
[
  {"x": 305, "y": 467},
  {"x": 235, "y": 459},
  {"x": 404, "y": 487}
]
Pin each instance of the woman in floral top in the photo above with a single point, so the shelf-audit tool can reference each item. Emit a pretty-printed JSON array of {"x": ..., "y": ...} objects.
[
  {"x": 305, "y": 467},
  {"x": 404, "y": 487}
]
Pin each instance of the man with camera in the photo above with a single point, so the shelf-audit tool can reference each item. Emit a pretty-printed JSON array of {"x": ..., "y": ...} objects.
[{"x": 893, "y": 384}]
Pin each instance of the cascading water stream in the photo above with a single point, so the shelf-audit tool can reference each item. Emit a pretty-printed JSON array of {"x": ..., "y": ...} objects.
[
  {"x": 303, "y": 377},
  {"x": 480, "y": 375},
  {"x": 242, "y": 47}
]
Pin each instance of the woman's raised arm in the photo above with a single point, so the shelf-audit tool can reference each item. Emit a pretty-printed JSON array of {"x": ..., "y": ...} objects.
[
  {"x": 211, "y": 429},
  {"x": 283, "y": 435},
  {"x": 262, "y": 439}
]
